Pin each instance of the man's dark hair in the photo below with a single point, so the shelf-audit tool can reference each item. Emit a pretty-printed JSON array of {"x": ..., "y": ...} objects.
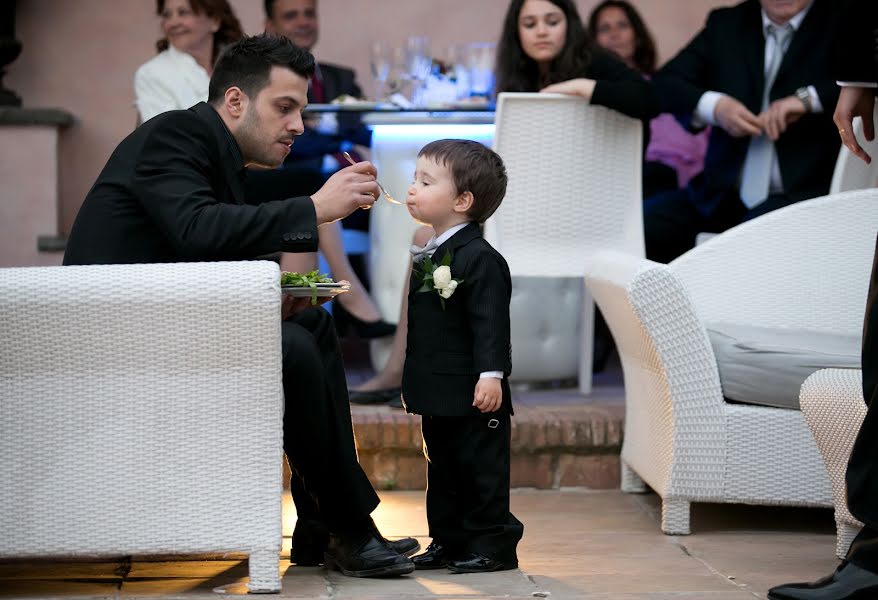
[
  {"x": 247, "y": 64},
  {"x": 474, "y": 168}
]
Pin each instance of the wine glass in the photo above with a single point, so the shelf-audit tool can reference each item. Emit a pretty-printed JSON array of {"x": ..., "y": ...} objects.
[
  {"x": 381, "y": 61},
  {"x": 418, "y": 64}
]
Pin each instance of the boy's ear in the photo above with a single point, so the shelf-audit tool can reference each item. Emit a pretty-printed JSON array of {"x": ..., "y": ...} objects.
[{"x": 464, "y": 202}]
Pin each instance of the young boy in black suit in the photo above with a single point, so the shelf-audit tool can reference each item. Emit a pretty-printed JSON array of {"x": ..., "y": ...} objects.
[{"x": 458, "y": 359}]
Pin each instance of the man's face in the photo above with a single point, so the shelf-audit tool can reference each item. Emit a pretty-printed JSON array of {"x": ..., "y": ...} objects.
[
  {"x": 272, "y": 119},
  {"x": 781, "y": 11},
  {"x": 296, "y": 20}
]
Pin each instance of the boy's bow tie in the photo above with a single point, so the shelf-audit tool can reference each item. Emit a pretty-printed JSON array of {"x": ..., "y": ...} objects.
[{"x": 419, "y": 253}]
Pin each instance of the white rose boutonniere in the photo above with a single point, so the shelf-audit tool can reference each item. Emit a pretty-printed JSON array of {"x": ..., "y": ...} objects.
[{"x": 438, "y": 278}]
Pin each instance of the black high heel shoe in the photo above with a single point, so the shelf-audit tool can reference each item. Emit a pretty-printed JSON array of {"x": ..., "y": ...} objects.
[{"x": 364, "y": 329}]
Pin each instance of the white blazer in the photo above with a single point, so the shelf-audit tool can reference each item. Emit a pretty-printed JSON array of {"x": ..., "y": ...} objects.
[{"x": 170, "y": 81}]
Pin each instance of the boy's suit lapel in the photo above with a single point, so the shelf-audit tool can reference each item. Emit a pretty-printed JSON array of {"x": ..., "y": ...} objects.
[{"x": 459, "y": 239}]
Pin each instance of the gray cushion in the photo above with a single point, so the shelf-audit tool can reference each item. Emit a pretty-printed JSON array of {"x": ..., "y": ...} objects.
[{"x": 767, "y": 366}]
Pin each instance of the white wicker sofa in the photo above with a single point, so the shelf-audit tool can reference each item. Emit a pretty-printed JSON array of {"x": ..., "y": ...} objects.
[
  {"x": 141, "y": 412},
  {"x": 805, "y": 266},
  {"x": 832, "y": 402}
]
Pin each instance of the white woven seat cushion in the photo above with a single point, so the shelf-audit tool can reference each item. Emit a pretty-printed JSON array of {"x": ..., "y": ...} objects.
[{"x": 768, "y": 365}]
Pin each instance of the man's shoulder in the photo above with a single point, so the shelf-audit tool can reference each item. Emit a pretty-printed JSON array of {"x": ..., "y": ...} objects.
[
  {"x": 185, "y": 121},
  {"x": 733, "y": 15}
]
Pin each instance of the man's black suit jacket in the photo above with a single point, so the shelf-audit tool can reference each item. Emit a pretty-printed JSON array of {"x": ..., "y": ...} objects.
[
  {"x": 172, "y": 191},
  {"x": 728, "y": 56},
  {"x": 448, "y": 348}
]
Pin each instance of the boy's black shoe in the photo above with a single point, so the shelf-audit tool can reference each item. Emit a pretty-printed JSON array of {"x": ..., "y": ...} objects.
[
  {"x": 434, "y": 557},
  {"x": 476, "y": 563}
]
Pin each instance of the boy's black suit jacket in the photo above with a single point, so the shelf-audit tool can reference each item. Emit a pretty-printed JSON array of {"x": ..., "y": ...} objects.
[{"x": 448, "y": 348}]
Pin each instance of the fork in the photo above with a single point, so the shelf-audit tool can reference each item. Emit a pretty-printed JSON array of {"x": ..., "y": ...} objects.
[{"x": 387, "y": 196}]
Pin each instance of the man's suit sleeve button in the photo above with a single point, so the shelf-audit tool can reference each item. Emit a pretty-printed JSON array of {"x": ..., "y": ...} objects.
[
  {"x": 300, "y": 236},
  {"x": 307, "y": 235},
  {"x": 286, "y": 237}
]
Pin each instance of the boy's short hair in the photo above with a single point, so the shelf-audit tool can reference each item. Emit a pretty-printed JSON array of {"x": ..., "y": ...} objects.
[
  {"x": 474, "y": 168},
  {"x": 247, "y": 64}
]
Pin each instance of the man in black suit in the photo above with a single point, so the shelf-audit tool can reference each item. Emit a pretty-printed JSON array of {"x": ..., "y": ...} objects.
[
  {"x": 770, "y": 145},
  {"x": 857, "y": 576},
  {"x": 173, "y": 191}
]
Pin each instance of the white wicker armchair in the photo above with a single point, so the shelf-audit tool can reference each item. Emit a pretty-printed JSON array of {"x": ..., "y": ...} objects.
[
  {"x": 141, "y": 412},
  {"x": 803, "y": 267},
  {"x": 832, "y": 402}
]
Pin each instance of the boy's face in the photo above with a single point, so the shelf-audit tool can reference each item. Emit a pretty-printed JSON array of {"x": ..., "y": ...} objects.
[{"x": 432, "y": 198}]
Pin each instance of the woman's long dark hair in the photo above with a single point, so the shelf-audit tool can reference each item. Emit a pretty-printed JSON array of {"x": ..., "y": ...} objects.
[
  {"x": 229, "y": 27},
  {"x": 517, "y": 72},
  {"x": 644, "y": 46}
]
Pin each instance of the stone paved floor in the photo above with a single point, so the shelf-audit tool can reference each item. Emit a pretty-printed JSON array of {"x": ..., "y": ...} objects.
[{"x": 578, "y": 544}]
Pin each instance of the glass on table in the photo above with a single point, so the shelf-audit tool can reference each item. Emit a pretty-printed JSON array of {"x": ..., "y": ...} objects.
[{"x": 381, "y": 58}]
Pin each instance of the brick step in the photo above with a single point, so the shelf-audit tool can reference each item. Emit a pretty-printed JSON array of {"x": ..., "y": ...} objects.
[{"x": 552, "y": 446}]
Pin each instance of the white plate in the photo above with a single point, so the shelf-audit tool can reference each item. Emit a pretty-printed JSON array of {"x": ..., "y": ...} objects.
[{"x": 324, "y": 290}]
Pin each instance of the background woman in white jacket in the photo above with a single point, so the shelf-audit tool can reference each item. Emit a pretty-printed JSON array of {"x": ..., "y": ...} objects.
[{"x": 194, "y": 33}]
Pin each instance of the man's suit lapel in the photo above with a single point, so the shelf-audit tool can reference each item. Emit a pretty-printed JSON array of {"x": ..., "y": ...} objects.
[
  {"x": 753, "y": 49},
  {"x": 802, "y": 39}
]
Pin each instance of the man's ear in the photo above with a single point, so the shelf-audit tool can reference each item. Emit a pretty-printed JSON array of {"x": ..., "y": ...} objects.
[
  {"x": 464, "y": 202},
  {"x": 235, "y": 101}
]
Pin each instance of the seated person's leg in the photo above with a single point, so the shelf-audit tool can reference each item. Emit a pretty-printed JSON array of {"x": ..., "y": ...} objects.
[
  {"x": 385, "y": 384},
  {"x": 670, "y": 224},
  {"x": 319, "y": 442},
  {"x": 318, "y": 436}
]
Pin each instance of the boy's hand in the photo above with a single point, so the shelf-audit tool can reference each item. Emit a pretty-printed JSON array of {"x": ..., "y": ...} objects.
[{"x": 488, "y": 395}]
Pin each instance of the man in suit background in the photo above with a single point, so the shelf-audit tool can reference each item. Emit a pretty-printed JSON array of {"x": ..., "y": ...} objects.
[
  {"x": 173, "y": 190},
  {"x": 760, "y": 72},
  {"x": 319, "y": 147},
  {"x": 857, "y": 576}
]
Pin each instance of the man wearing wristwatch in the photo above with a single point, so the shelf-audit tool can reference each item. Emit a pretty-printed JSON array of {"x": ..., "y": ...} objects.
[{"x": 760, "y": 73}]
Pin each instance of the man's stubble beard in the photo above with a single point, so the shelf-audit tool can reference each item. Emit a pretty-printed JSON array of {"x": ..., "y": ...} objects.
[{"x": 251, "y": 143}]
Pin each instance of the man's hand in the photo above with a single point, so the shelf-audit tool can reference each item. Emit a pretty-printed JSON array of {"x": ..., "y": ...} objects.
[
  {"x": 347, "y": 190},
  {"x": 488, "y": 395},
  {"x": 855, "y": 102},
  {"x": 734, "y": 117},
  {"x": 780, "y": 114}
]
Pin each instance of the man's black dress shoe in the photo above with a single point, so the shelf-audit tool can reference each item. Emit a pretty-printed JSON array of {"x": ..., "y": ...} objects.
[
  {"x": 849, "y": 582},
  {"x": 434, "y": 557},
  {"x": 311, "y": 538},
  {"x": 365, "y": 556},
  {"x": 373, "y": 396},
  {"x": 476, "y": 563}
]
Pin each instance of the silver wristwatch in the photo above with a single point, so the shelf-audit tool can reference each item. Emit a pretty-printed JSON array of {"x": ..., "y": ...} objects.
[{"x": 805, "y": 96}]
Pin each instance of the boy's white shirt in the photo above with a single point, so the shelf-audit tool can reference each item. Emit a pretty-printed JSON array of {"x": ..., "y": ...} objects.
[{"x": 439, "y": 241}]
